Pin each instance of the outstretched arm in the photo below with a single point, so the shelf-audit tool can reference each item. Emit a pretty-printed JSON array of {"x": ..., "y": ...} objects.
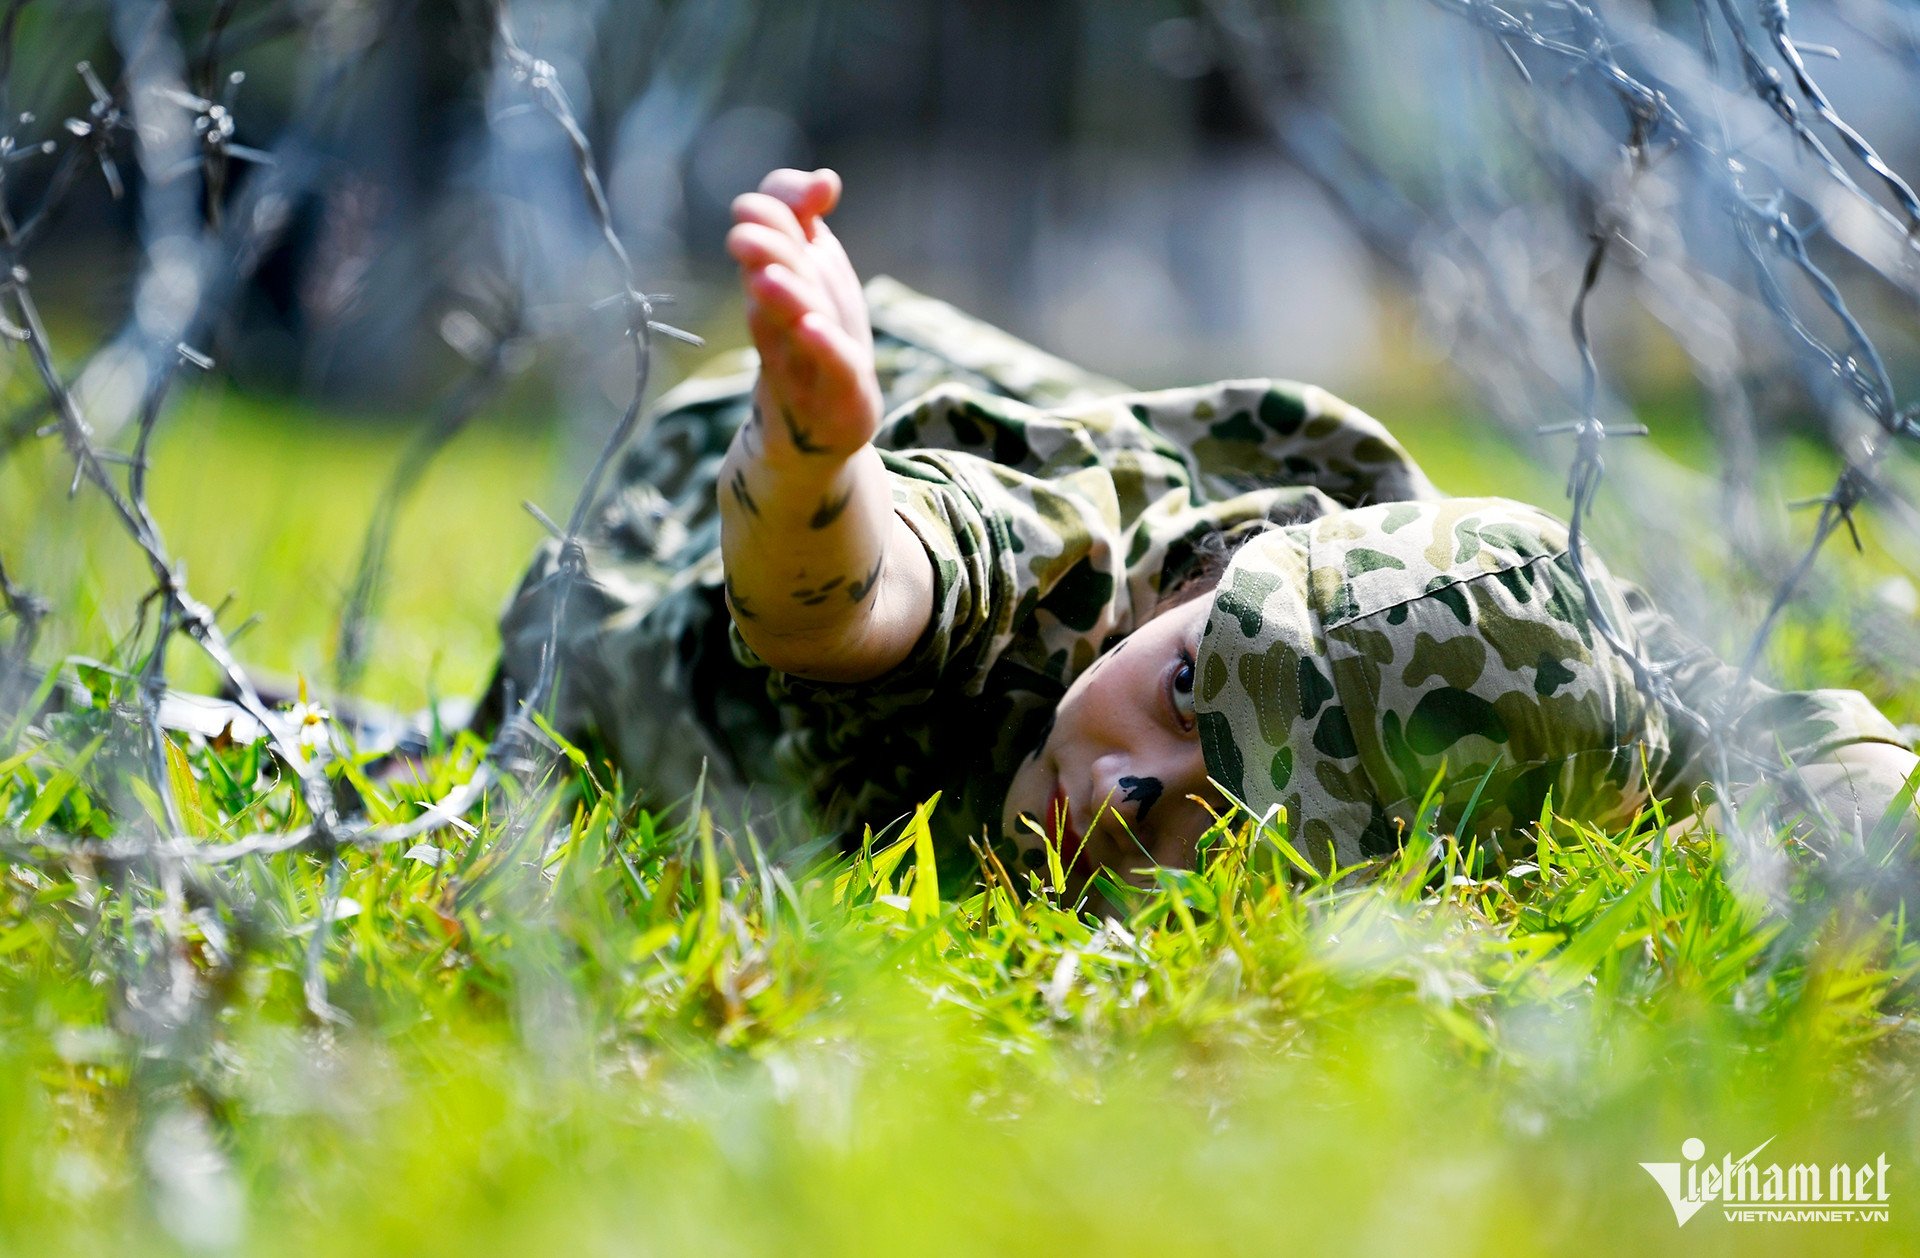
[
  {"x": 1847, "y": 760},
  {"x": 1858, "y": 784},
  {"x": 824, "y": 579}
]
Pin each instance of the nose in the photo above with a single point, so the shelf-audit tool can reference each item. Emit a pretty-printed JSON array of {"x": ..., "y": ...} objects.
[{"x": 1123, "y": 790}]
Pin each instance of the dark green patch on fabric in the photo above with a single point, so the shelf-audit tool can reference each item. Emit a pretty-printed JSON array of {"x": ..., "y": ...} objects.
[
  {"x": 1514, "y": 537},
  {"x": 1374, "y": 450},
  {"x": 1222, "y": 755},
  {"x": 1381, "y": 837},
  {"x": 1021, "y": 610},
  {"x": 1237, "y": 427},
  {"x": 1405, "y": 763},
  {"x": 1342, "y": 606},
  {"x": 1365, "y": 559},
  {"x": 969, "y": 427},
  {"x": 1516, "y": 582},
  {"x": 1550, "y": 674},
  {"x": 1527, "y": 792},
  {"x": 1213, "y": 677},
  {"x": 1444, "y": 716},
  {"x": 1446, "y": 591},
  {"x": 1280, "y": 772},
  {"x": 1566, "y": 603},
  {"x": 1010, "y": 447},
  {"x": 1282, "y": 413},
  {"x": 1333, "y": 736},
  {"x": 1078, "y": 598},
  {"x": 1315, "y": 688}
]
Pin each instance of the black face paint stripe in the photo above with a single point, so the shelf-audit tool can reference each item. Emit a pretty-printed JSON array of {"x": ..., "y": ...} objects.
[{"x": 1144, "y": 791}]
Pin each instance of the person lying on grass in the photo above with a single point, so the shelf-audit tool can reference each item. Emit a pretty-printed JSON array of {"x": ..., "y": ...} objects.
[{"x": 895, "y": 552}]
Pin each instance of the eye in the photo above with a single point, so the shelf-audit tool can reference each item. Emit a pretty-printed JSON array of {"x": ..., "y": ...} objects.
[{"x": 1180, "y": 690}]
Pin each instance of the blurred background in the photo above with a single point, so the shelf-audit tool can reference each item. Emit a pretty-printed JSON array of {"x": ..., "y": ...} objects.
[{"x": 1379, "y": 196}]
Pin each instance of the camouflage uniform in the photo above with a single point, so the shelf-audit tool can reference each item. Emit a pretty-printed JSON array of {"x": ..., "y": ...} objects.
[
  {"x": 1353, "y": 665},
  {"x": 1055, "y": 508}
]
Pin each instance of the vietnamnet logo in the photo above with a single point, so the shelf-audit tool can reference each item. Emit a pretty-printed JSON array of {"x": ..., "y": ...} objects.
[{"x": 1747, "y": 1192}]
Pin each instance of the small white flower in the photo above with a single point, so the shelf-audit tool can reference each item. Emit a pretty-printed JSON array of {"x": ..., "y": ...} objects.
[{"x": 309, "y": 722}]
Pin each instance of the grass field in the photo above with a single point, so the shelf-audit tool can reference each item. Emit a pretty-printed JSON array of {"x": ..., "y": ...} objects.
[{"x": 581, "y": 1027}]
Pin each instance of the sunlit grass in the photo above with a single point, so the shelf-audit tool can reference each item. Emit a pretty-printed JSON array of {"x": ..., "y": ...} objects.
[{"x": 266, "y": 504}]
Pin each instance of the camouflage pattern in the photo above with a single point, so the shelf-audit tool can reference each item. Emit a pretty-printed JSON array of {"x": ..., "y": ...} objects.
[
  {"x": 1055, "y": 508},
  {"x": 1054, "y": 505},
  {"x": 1354, "y": 668}
]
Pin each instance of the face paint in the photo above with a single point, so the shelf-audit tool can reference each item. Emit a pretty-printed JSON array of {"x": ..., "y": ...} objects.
[
  {"x": 1121, "y": 776},
  {"x": 1143, "y": 791}
]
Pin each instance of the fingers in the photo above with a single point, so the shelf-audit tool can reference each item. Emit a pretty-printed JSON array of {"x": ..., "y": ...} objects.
[
  {"x": 787, "y": 229},
  {"x": 806, "y": 314},
  {"x": 769, "y": 212},
  {"x": 753, "y": 245},
  {"x": 835, "y": 354},
  {"x": 842, "y": 284},
  {"x": 784, "y": 295},
  {"x": 809, "y": 194},
  {"x": 761, "y": 240},
  {"x": 814, "y": 382}
]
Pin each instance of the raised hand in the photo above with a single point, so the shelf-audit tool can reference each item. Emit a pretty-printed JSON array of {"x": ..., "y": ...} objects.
[
  {"x": 823, "y": 578},
  {"x": 818, "y": 394}
]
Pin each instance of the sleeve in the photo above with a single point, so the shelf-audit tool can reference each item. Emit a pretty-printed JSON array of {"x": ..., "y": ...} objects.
[
  {"x": 1017, "y": 559},
  {"x": 1764, "y": 729}
]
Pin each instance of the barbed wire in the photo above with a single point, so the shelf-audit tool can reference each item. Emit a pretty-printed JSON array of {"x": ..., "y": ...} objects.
[
  {"x": 327, "y": 831},
  {"x": 181, "y": 611},
  {"x": 1681, "y": 116},
  {"x": 27, "y": 610},
  {"x": 542, "y": 82}
]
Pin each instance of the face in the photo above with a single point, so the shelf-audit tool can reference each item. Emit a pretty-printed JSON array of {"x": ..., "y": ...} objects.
[{"x": 1114, "y": 776}]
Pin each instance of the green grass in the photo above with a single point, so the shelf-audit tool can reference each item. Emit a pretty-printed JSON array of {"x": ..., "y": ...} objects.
[
  {"x": 592, "y": 1028},
  {"x": 266, "y": 503}
]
